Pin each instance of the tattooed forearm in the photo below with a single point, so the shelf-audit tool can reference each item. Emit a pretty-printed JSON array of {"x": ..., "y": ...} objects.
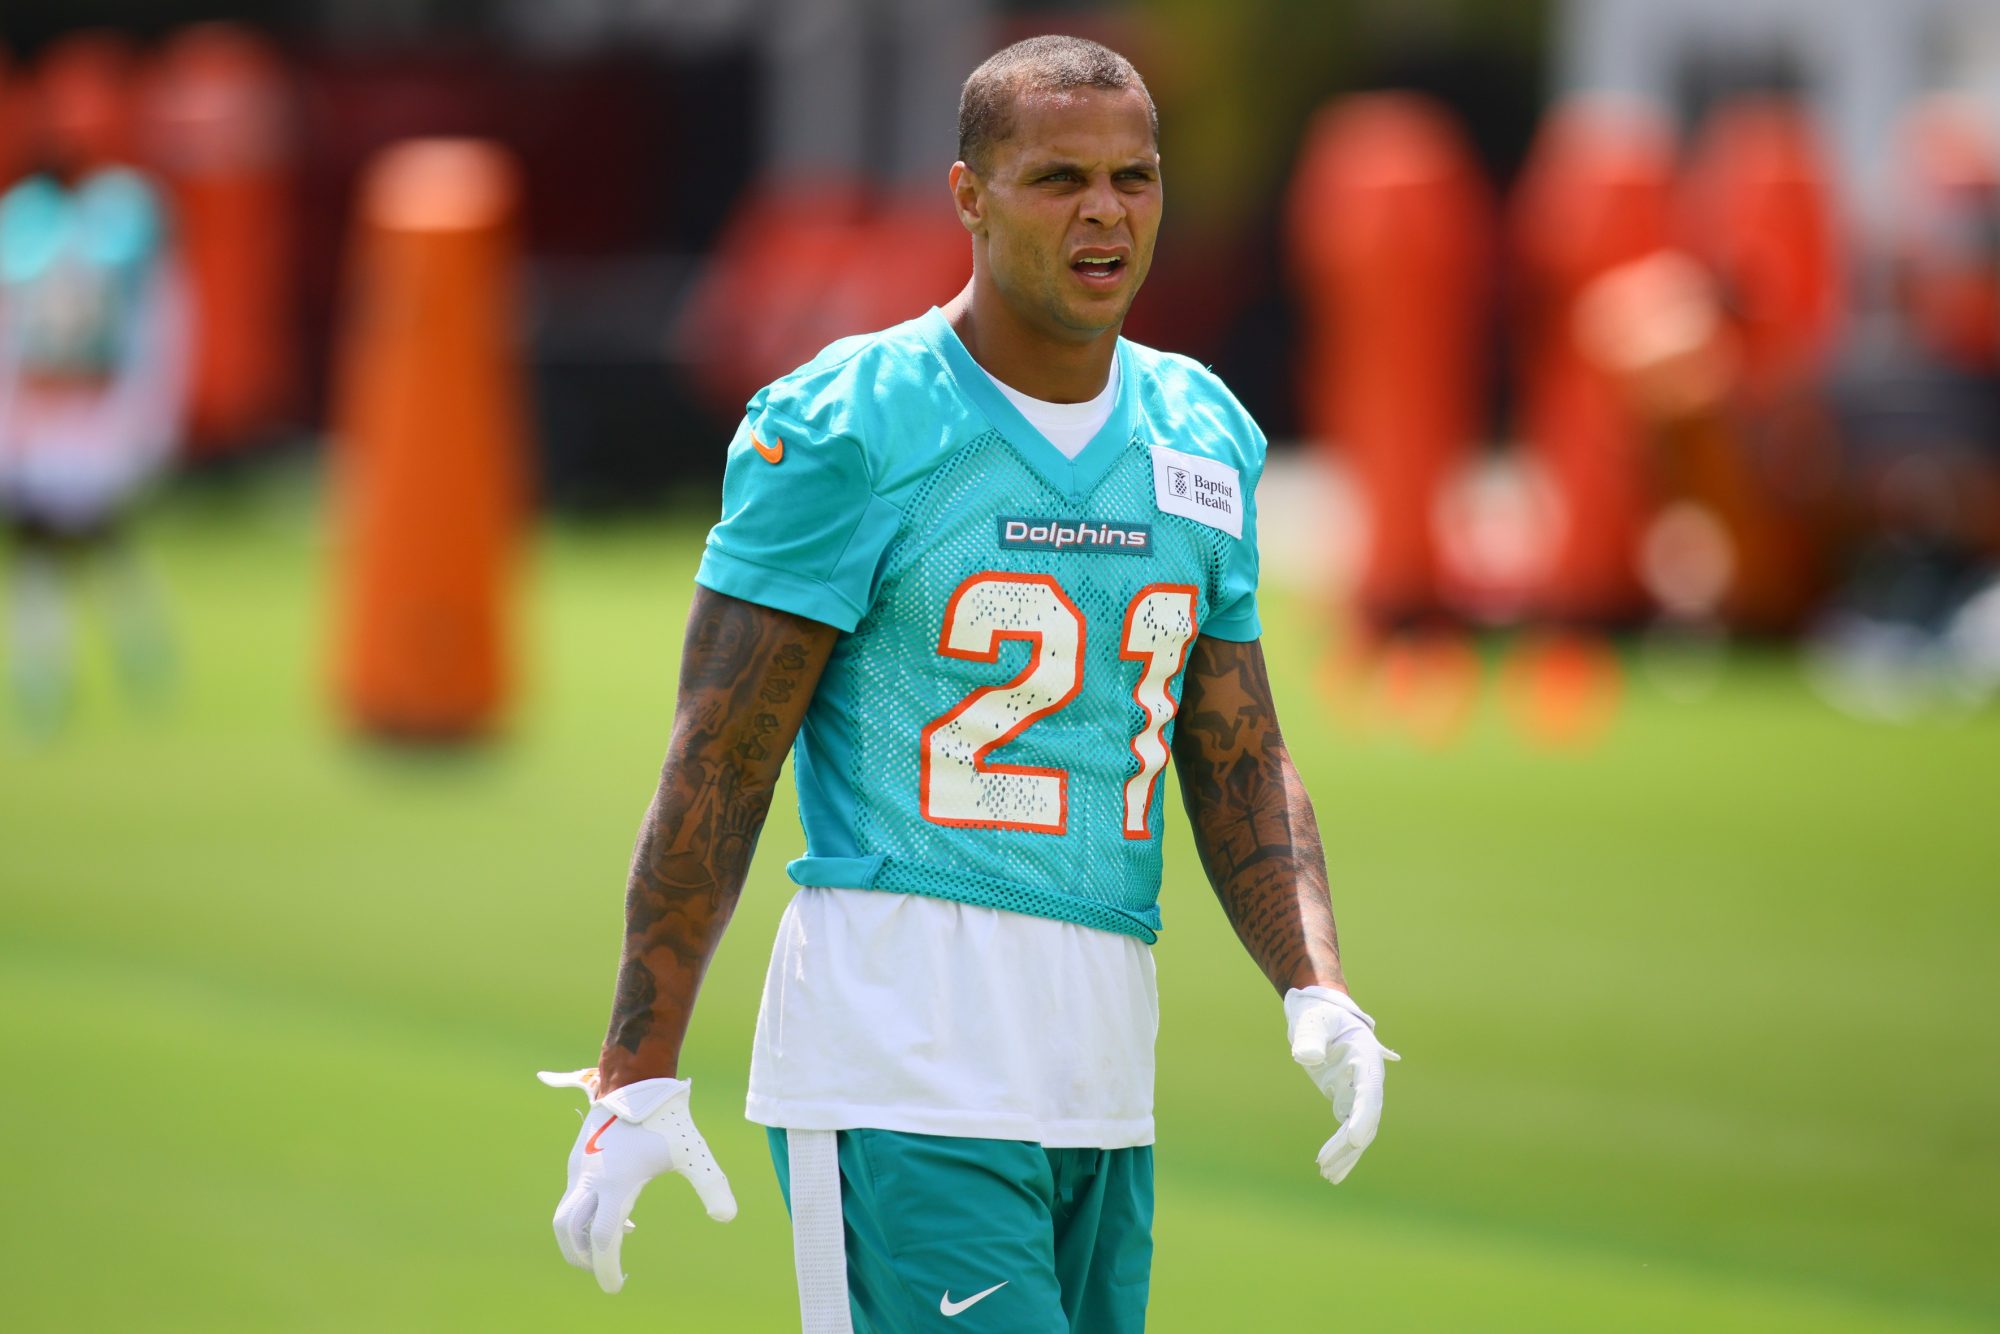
[
  {"x": 747, "y": 673},
  {"x": 1253, "y": 824},
  {"x": 632, "y": 1010}
]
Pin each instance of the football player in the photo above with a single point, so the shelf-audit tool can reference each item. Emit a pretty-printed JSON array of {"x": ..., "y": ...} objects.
[
  {"x": 980, "y": 574},
  {"x": 93, "y": 334}
]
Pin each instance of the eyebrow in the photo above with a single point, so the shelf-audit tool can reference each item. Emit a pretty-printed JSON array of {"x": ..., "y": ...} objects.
[{"x": 1049, "y": 165}]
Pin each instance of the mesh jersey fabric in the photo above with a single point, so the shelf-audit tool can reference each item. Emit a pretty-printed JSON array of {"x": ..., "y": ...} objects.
[{"x": 978, "y": 732}]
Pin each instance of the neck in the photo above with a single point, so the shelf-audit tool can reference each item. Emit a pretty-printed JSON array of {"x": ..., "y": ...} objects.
[{"x": 1026, "y": 359}]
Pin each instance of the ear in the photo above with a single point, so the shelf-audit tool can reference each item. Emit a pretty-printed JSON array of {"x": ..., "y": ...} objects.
[{"x": 968, "y": 197}]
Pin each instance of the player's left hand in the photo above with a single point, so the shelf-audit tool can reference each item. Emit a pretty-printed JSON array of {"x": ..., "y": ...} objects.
[
  {"x": 1334, "y": 1039},
  {"x": 628, "y": 1137}
]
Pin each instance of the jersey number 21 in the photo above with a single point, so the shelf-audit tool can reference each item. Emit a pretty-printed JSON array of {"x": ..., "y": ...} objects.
[{"x": 960, "y": 786}]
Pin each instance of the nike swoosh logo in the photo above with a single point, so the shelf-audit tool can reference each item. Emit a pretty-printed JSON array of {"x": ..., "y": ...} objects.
[
  {"x": 590, "y": 1145},
  {"x": 949, "y": 1307},
  {"x": 771, "y": 454}
]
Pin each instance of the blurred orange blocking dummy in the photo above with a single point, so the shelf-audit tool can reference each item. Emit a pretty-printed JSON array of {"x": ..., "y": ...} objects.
[
  {"x": 220, "y": 135},
  {"x": 431, "y": 444},
  {"x": 1389, "y": 226}
]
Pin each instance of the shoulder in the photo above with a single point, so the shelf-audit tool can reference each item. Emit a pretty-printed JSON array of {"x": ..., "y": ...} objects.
[
  {"x": 118, "y": 187},
  {"x": 121, "y": 215},
  {"x": 856, "y": 389},
  {"x": 33, "y": 203},
  {"x": 33, "y": 192},
  {"x": 31, "y": 224},
  {"x": 1193, "y": 410}
]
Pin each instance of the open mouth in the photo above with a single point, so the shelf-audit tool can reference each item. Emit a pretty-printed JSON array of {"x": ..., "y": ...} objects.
[{"x": 1099, "y": 270}]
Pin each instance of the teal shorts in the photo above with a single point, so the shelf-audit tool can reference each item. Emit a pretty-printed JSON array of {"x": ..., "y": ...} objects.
[{"x": 1057, "y": 1240}]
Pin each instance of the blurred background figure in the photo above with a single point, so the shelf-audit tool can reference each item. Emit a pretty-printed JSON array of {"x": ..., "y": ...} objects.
[
  {"x": 1916, "y": 393},
  {"x": 93, "y": 336}
]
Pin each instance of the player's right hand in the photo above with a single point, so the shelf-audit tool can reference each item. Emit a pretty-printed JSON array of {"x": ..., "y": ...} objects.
[{"x": 629, "y": 1136}]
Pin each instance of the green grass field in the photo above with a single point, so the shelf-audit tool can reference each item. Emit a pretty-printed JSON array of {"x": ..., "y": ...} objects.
[{"x": 1698, "y": 1026}]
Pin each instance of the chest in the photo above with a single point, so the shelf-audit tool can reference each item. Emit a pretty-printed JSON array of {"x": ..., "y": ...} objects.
[{"x": 988, "y": 512}]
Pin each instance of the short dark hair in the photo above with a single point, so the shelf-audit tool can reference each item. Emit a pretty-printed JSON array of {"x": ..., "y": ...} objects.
[{"x": 1054, "y": 64}]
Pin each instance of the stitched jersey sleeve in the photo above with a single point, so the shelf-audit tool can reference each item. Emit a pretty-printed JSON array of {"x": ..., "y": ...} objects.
[
  {"x": 801, "y": 528},
  {"x": 1234, "y": 611}
]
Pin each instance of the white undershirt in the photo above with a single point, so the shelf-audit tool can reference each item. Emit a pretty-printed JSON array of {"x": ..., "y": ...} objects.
[
  {"x": 911, "y": 1013},
  {"x": 1067, "y": 426}
]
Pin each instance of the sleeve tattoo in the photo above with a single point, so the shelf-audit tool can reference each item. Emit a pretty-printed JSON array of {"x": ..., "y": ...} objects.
[
  {"x": 747, "y": 673},
  {"x": 1252, "y": 822}
]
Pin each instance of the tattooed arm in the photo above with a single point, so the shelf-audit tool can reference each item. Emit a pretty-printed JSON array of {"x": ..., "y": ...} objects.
[
  {"x": 747, "y": 674},
  {"x": 1253, "y": 824}
]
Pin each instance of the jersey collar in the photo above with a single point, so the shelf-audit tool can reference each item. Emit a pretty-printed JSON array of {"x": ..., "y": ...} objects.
[{"x": 1075, "y": 478}]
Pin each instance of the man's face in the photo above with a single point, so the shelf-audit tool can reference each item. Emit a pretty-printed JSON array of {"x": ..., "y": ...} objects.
[{"x": 1068, "y": 209}]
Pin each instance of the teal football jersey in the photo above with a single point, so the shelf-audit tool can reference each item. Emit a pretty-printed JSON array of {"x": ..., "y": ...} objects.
[
  {"x": 994, "y": 725},
  {"x": 73, "y": 267}
]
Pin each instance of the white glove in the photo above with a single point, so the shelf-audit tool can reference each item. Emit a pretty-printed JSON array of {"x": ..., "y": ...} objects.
[
  {"x": 1334, "y": 1039},
  {"x": 628, "y": 1137}
]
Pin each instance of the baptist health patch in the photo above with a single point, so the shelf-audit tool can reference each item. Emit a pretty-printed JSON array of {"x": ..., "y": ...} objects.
[{"x": 1197, "y": 488}]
